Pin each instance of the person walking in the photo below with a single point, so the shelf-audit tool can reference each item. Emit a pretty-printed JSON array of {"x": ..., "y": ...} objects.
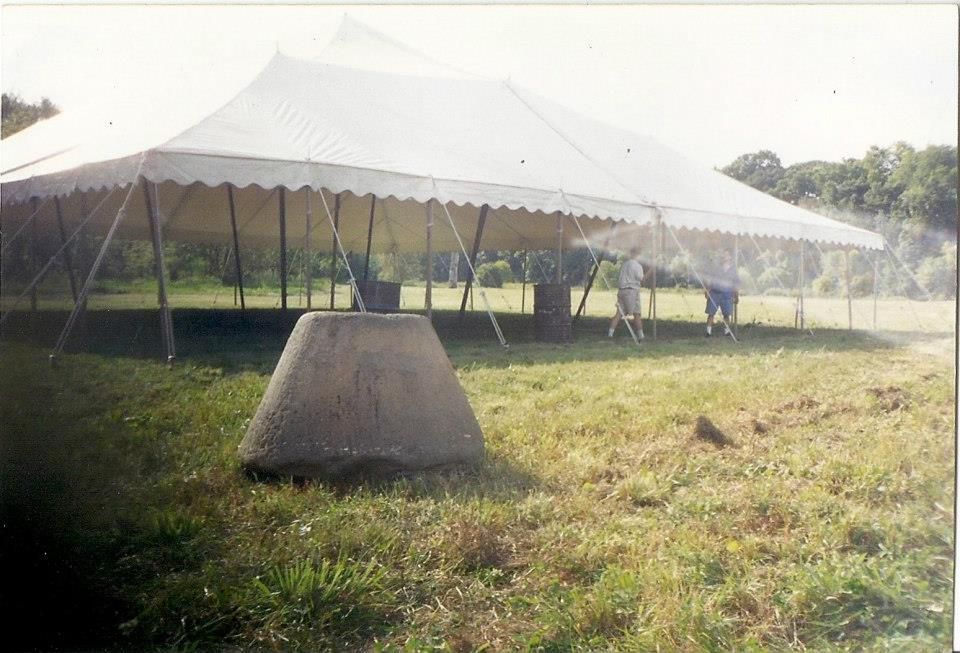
[
  {"x": 723, "y": 291},
  {"x": 628, "y": 294}
]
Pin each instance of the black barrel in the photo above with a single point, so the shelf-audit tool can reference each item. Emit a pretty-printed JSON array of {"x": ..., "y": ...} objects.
[
  {"x": 379, "y": 296},
  {"x": 551, "y": 313}
]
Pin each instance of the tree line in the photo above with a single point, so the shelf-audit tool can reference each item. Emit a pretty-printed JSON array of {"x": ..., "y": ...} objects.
[{"x": 907, "y": 195}]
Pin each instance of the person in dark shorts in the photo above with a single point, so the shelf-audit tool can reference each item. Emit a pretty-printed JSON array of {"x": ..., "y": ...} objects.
[
  {"x": 723, "y": 291},
  {"x": 628, "y": 294}
]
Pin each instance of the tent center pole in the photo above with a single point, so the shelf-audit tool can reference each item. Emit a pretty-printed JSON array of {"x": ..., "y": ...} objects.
[
  {"x": 876, "y": 289},
  {"x": 736, "y": 268},
  {"x": 236, "y": 246},
  {"x": 656, "y": 260},
  {"x": 283, "y": 248},
  {"x": 473, "y": 260}
]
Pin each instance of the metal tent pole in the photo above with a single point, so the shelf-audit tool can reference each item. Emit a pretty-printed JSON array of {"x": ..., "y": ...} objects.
[
  {"x": 523, "y": 292},
  {"x": 66, "y": 251},
  {"x": 283, "y": 248},
  {"x": 846, "y": 271},
  {"x": 366, "y": 261},
  {"x": 656, "y": 260},
  {"x": 306, "y": 253},
  {"x": 33, "y": 255},
  {"x": 876, "y": 289},
  {"x": 153, "y": 217},
  {"x": 802, "y": 281},
  {"x": 82, "y": 300},
  {"x": 736, "y": 269},
  {"x": 586, "y": 291},
  {"x": 428, "y": 297},
  {"x": 559, "y": 271},
  {"x": 236, "y": 246},
  {"x": 333, "y": 252},
  {"x": 473, "y": 259}
]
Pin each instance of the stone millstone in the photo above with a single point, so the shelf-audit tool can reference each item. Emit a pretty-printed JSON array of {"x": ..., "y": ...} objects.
[{"x": 361, "y": 394}]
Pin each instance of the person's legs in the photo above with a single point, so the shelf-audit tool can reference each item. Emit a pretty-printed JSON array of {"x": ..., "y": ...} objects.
[
  {"x": 711, "y": 311},
  {"x": 614, "y": 322},
  {"x": 638, "y": 324}
]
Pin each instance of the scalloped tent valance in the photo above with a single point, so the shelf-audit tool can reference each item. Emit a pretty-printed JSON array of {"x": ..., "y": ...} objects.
[{"x": 372, "y": 117}]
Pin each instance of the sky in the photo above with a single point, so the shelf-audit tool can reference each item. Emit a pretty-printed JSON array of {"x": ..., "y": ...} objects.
[{"x": 714, "y": 82}]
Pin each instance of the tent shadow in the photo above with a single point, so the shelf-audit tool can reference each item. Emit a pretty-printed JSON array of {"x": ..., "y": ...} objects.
[{"x": 251, "y": 342}]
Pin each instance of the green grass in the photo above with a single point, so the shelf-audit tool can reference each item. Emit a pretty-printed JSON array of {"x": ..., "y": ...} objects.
[{"x": 598, "y": 520}]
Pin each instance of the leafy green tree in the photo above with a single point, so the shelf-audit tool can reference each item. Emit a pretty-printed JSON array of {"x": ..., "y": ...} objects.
[
  {"x": 762, "y": 170},
  {"x": 18, "y": 115}
]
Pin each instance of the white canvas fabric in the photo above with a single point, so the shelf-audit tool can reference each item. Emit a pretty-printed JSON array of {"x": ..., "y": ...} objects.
[{"x": 371, "y": 117}]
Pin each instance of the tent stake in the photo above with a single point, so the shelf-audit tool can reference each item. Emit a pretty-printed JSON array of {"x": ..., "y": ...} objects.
[
  {"x": 166, "y": 320},
  {"x": 283, "y": 248},
  {"x": 428, "y": 298},
  {"x": 473, "y": 260},
  {"x": 366, "y": 261},
  {"x": 236, "y": 249},
  {"x": 306, "y": 252},
  {"x": 333, "y": 252},
  {"x": 66, "y": 252},
  {"x": 846, "y": 270}
]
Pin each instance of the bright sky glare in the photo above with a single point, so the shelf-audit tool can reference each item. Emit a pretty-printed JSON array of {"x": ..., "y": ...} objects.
[{"x": 808, "y": 82}]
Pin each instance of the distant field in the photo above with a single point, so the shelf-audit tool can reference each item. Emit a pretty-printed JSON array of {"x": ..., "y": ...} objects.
[{"x": 600, "y": 520}]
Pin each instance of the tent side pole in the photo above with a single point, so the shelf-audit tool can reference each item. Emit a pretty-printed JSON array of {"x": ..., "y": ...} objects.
[
  {"x": 656, "y": 261},
  {"x": 473, "y": 259},
  {"x": 366, "y": 261},
  {"x": 306, "y": 253},
  {"x": 333, "y": 252},
  {"x": 559, "y": 271},
  {"x": 166, "y": 320},
  {"x": 428, "y": 297},
  {"x": 801, "y": 280},
  {"x": 236, "y": 246},
  {"x": 283, "y": 248},
  {"x": 586, "y": 291},
  {"x": 33, "y": 255},
  {"x": 523, "y": 292},
  {"x": 94, "y": 268},
  {"x": 846, "y": 274},
  {"x": 67, "y": 259},
  {"x": 736, "y": 268},
  {"x": 876, "y": 290}
]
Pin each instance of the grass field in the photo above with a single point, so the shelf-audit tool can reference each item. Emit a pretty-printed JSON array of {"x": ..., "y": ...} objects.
[{"x": 607, "y": 514}]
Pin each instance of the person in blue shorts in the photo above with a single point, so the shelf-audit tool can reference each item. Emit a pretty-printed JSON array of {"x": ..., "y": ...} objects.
[{"x": 723, "y": 291}]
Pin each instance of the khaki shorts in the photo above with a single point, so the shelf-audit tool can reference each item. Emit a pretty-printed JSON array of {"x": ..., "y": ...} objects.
[{"x": 629, "y": 300}]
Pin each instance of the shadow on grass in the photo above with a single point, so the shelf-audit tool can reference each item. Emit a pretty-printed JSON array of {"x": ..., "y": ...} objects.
[{"x": 252, "y": 341}]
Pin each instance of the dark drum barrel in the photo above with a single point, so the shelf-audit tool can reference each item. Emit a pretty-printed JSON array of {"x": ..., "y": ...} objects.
[
  {"x": 551, "y": 313},
  {"x": 379, "y": 296}
]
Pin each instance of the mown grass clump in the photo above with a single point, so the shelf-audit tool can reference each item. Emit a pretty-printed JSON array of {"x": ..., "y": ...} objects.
[{"x": 598, "y": 520}]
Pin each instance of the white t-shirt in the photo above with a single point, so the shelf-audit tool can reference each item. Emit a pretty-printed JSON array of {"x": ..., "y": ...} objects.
[{"x": 631, "y": 274}]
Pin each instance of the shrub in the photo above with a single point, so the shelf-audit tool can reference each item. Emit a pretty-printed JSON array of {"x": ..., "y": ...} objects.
[{"x": 494, "y": 275}]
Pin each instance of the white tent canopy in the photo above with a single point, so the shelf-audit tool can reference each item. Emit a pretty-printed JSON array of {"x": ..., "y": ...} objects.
[{"x": 371, "y": 117}]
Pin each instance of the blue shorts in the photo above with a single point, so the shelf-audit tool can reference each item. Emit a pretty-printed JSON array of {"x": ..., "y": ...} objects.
[{"x": 722, "y": 300}]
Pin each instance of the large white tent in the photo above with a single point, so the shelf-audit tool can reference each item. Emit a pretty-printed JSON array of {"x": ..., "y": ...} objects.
[{"x": 371, "y": 117}]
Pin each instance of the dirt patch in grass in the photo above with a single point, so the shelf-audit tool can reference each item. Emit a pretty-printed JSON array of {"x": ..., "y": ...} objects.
[
  {"x": 802, "y": 402},
  {"x": 891, "y": 398},
  {"x": 707, "y": 431}
]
